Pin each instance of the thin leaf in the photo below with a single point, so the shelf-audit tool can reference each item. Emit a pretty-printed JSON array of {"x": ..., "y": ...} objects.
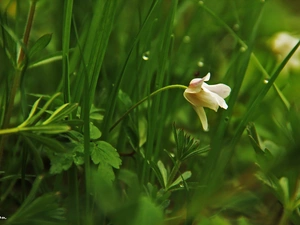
[
  {"x": 33, "y": 110},
  {"x": 39, "y": 45},
  {"x": 51, "y": 143},
  {"x": 61, "y": 112},
  {"x": 47, "y": 129},
  {"x": 163, "y": 172},
  {"x": 183, "y": 177},
  {"x": 35, "y": 118}
]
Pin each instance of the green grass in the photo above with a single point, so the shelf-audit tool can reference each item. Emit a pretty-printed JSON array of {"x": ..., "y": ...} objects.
[{"x": 95, "y": 128}]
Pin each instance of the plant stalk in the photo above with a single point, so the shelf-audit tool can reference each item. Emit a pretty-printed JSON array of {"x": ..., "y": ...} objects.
[
  {"x": 17, "y": 78},
  {"x": 144, "y": 99}
]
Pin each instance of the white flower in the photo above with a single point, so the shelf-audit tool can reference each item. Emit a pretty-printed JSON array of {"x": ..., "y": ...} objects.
[
  {"x": 200, "y": 95},
  {"x": 281, "y": 44}
]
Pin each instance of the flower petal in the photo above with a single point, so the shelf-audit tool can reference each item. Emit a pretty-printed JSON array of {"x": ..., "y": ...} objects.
[
  {"x": 213, "y": 104},
  {"x": 202, "y": 116},
  {"x": 220, "y": 89},
  {"x": 196, "y": 84},
  {"x": 207, "y": 77},
  {"x": 204, "y": 99}
]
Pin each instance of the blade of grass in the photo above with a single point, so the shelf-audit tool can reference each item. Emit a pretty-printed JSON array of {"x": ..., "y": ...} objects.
[
  {"x": 95, "y": 47},
  {"x": 261, "y": 95},
  {"x": 68, "y": 8},
  {"x": 113, "y": 96},
  {"x": 215, "y": 163},
  {"x": 22, "y": 62},
  {"x": 158, "y": 111},
  {"x": 267, "y": 76},
  {"x": 216, "y": 146}
]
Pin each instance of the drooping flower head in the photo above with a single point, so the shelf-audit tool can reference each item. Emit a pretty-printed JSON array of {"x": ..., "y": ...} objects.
[{"x": 201, "y": 95}]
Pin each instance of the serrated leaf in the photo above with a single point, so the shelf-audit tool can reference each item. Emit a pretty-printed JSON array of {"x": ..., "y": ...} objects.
[
  {"x": 104, "y": 152},
  {"x": 60, "y": 162},
  {"x": 40, "y": 44},
  {"x": 107, "y": 172}
]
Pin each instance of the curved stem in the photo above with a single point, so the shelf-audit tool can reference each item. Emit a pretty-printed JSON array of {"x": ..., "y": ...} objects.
[{"x": 144, "y": 99}]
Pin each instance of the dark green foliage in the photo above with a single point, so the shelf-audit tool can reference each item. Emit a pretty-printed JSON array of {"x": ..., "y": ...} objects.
[{"x": 86, "y": 113}]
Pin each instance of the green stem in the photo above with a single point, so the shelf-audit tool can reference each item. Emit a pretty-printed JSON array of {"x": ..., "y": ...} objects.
[
  {"x": 173, "y": 173},
  {"x": 144, "y": 99},
  {"x": 19, "y": 73},
  {"x": 66, "y": 46}
]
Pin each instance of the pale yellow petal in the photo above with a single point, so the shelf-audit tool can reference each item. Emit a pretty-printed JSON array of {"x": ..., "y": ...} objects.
[
  {"x": 207, "y": 77},
  {"x": 220, "y": 89},
  {"x": 202, "y": 116}
]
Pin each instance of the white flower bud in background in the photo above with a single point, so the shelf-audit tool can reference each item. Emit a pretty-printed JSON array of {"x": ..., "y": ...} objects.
[{"x": 281, "y": 44}]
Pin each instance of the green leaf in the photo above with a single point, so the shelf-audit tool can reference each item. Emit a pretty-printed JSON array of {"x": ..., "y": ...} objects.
[
  {"x": 147, "y": 213},
  {"x": 46, "y": 60},
  {"x": 39, "y": 45},
  {"x": 183, "y": 177},
  {"x": 102, "y": 151},
  {"x": 131, "y": 180},
  {"x": 124, "y": 101},
  {"x": 60, "y": 113},
  {"x": 33, "y": 109},
  {"x": 48, "y": 129},
  {"x": 158, "y": 173},
  {"x": 43, "y": 210},
  {"x": 96, "y": 116},
  {"x": 163, "y": 172},
  {"x": 107, "y": 172},
  {"x": 60, "y": 162},
  {"x": 37, "y": 116},
  {"x": 95, "y": 133},
  {"x": 264, "y": 157},
  {"x": 186, "y": 146},
  {"x": 51, "y": 143},
  {"x": 96, "y": 113},
  {"x": 78, "y": 156}
]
